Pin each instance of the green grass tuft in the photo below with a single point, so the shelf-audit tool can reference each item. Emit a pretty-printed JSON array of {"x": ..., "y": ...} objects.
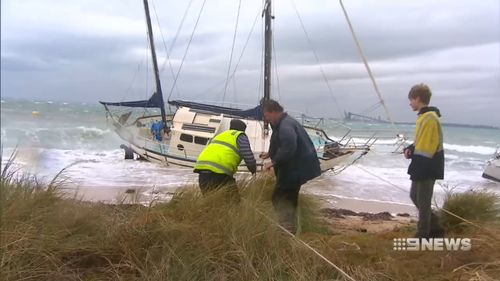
[{"x": 476, "y": 206}]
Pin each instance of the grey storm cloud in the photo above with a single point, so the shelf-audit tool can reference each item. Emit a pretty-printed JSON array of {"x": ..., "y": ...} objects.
[
  {"x": 55, "y": 50},
  {"x": 91, "y": 50}
]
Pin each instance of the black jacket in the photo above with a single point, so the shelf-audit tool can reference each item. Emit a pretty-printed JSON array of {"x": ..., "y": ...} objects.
[{"x": 293, "y": 154}]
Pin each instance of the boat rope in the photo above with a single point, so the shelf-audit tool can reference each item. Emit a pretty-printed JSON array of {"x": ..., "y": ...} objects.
[
  {"x": 176, "y": 35},
  {"x": 246, "y": 44},
  {"x": 382, "y": 179},
  {"x": 309, "y": 41},
  {"x": 235, "y": 92},
  {"x": 368, "y": 69},
  {"x": 146, "y": 81},
  {"x": 276, "y": 70},
  {"x": 187, "y": 49},
  {"x": 219, "y": 84},
  {"x": 165, "y": 46},
  {"x": 262, "y": 47},
  {"x": 300, "y": 241},
  {"x": 338, "y": 171},
  {"x": 232, "y": 51},
  {"x": 440, "y": 208},
  {"x": 495, "y": 235},
  {"x": 371, "y": 108},
  {"x": 136, "y": 72}
]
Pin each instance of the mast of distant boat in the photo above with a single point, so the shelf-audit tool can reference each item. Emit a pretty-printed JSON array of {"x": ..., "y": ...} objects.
[{"x": 155, "y": 64}]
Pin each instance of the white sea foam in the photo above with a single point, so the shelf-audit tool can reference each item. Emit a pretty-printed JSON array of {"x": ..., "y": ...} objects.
[
  {"x": 478, "y": 149},
  {"x": 62, "y": 139}
]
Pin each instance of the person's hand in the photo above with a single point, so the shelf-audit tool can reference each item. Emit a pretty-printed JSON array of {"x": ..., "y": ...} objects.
[
  {"x": 264, "y": 155},
  {"x": 268, "y": 166},
  {"x": 408, "y": 153}
]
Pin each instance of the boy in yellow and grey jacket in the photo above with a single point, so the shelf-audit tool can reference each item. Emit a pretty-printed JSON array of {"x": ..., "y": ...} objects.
[{"x": 427, "y": 160}]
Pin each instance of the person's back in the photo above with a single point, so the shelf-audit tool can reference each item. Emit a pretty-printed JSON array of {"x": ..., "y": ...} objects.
[
  {"x": 156, "y": 130},
  {"x": 219, "y": 161},
  {"x": 303, "y": 160},
  {"x": 221, "y": 155},
  {"x": 294, "y": 160}
]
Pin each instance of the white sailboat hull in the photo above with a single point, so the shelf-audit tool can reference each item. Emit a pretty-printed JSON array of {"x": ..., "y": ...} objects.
[
  {"x": 191, "y": 130},
  {"x": 492, "y": 170}
]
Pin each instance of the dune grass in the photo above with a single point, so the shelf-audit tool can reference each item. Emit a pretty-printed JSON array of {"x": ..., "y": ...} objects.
[
  {"x": 477, "y": 206},
  {"x": 45, "y": 236}
]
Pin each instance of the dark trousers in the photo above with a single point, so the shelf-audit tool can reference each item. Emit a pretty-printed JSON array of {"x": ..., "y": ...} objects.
[
  {"x": 285, "y": 201},
  {"x": 210, "y": 181},
  {"x": 428, "y": 222}
]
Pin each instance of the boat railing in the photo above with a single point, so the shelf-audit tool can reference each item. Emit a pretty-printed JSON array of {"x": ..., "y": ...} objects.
[{"x": 347, "y": 141}]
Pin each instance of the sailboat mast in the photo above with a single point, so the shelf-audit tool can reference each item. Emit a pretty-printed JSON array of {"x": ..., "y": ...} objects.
[
  {"x": 268, "y": 47},
  {"x": 155, "y": 64}
]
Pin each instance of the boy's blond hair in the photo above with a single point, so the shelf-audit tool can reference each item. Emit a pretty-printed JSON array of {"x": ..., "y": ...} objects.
[{"x": 421, "y": 91}]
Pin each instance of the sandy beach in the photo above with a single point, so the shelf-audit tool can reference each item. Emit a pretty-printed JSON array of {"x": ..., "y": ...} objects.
[
  {"x": 132, "y": 194},
  {"x": 345, "y": 215}
]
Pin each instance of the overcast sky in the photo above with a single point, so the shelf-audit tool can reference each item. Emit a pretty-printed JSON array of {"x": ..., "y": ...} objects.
[{"x": 90, "y": 50}]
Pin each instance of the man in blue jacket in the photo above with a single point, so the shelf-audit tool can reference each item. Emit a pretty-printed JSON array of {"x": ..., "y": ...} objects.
[{"x": 294, "y": 159}]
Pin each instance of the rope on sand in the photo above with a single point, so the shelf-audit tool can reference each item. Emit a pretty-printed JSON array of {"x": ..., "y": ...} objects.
[
  {"x": 308, "y": 247},
  {"x": 303, "y": 243},
  {"x": 380, "y": 178},
  {"x": 443, "y": 209}
]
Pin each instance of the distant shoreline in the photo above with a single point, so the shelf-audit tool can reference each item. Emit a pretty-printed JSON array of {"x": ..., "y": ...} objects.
[
  {"x": 413, "y": 123},
  {"x": 367, "y": 120}
]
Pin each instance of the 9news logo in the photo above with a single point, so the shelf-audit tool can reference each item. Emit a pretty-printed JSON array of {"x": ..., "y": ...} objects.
[{"x": 432, "y": 244}]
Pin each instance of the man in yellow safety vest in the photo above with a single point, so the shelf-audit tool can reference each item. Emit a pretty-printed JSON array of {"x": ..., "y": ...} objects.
[{"x": 219, "y": 161}]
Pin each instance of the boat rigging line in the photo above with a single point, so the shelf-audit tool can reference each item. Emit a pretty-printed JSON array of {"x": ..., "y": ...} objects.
[
  {"x": 232, "y": 51},
  {"x": 371, "y": 108},
  {"x": 165, "y": 45},
  {"x": 187, "y": 49},
  {"x": 176, "y": 36},
  {"x": 368, "y": 69},
  {"x": 382, "y": 179},
  {"x": 233, "y": 73},
  {"x": 246, "y": 44},
  {"x": 309, "y": 41},
  {"x": 276, "y": 70}
]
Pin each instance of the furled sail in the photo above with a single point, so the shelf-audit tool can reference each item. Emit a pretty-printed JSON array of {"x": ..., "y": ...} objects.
[
  {"x": 155, "y": 101},
  {"x": 252, "y": 113}
]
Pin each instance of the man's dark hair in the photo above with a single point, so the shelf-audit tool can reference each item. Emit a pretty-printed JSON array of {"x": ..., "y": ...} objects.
[
  {"x": 237, "y": 124},
  {"x": 271, "y": 106}
]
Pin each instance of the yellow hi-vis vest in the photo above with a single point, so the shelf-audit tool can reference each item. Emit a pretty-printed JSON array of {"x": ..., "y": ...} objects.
[{"x": 221, "y": 155}]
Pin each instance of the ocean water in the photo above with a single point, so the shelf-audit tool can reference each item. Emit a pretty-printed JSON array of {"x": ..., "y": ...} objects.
[{"x": 76, "y": 137}]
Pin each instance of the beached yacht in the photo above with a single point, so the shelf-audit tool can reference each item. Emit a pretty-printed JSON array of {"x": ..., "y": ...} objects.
[
  {"x": 179, "y": 137},
  {"x": 492, "y": 168}
]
